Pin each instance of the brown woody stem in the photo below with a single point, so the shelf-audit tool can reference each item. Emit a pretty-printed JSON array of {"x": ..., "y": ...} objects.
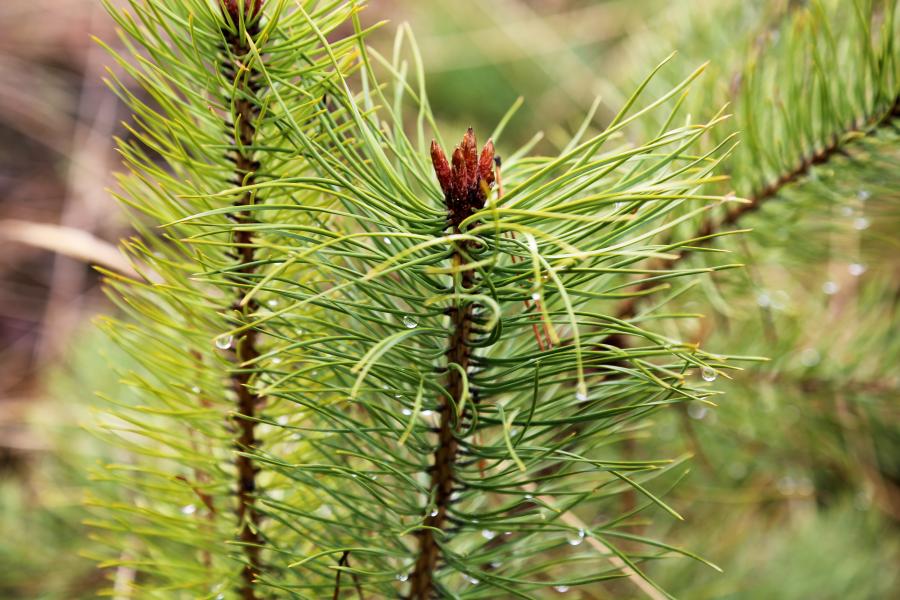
[
  {"x": 245, "y": 114},
  {"x": 442, "y": 474}
]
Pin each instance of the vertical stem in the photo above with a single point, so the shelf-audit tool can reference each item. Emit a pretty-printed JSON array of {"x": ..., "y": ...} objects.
[
  {"x": 245, "y": 113},
  {"x": 442, "y": 475},
  {"x": 465, "y": 186}
]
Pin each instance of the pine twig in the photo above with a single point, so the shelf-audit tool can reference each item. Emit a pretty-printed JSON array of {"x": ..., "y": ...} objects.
[{"x": 245, "y": 114}]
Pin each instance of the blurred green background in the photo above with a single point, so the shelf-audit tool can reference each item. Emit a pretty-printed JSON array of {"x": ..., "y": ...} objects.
[{"x": 795, "y": 486}]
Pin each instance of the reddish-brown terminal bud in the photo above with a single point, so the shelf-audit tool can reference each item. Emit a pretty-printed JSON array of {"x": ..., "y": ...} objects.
[
  {"x": 251, "y": 8},
  {"x": 459, "y": 173},
  {"x": 441, "y": 167},
  {"x": 486, "y": 163},
  {"x": 470, "y": 152},
  {"x": 468, "y": 179}
]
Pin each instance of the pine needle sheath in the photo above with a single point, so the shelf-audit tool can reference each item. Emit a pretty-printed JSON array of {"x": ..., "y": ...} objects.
[{"x": 244, "y": 113}]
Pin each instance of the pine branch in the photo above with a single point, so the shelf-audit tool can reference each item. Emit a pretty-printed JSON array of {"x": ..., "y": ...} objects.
[
  {"x": 465, "y": 187},
  {"x": 193, "y": 439},
  {"x": 245, "y": 112},
  {"x": 413, "y": 467},
  {"x": 712, "y": 227}
]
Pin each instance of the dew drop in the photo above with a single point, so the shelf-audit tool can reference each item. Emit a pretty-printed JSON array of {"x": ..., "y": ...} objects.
[
  {"x": 195, "y": 389},
  {"x": 780, "y": 299},
  {"x": 487, "y": 534},
  {"x": 810, "y": 357},
  {"x": 697, "y": 411},
  {"x": 427, "y": 413},
  {"x": 860, "y": 223},
  {"x": 223, "y": 342},
  {"x": 434, "y": 513},
  {"x": 830, "y": 288},
  {"x": 581, "y": 393},
  {"x": 708, "y": 374},
  {"x": 388, "y": 241},
  {"x": 576, "y": 538},
  {"x": 528, "y": 496},
  {"x": 496, "y": 564},
  {"x": 562, "y": 589},
  {"x": 273, "y": 303},
  {"x": 282, "y": 420},
  {"x": 856, "y": 269},
  {"x": 409, "y": 322},
  {"x": 276, "y": 361},
  {"x": 188, "y": 510},
  {"x": 402, "y": 576},
  {"x": 406, "y": 412},
  {"x": 536, "y": 296},
  {"x": 472, "y": 580}
]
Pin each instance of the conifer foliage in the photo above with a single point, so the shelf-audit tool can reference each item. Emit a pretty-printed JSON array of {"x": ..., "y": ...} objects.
[{"x": 372, "y": 371}]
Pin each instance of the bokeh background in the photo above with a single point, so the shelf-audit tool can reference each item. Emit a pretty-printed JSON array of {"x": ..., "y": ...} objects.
[{"x": 795, "y": 489}]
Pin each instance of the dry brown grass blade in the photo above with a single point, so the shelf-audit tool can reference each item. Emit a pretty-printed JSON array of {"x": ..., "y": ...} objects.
[{"x": 68, "y": 241}]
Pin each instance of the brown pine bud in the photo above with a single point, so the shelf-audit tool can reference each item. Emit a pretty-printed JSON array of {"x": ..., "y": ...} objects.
[
  {"x": 460, "y": 177},
  {"x": 470, "y": 150},
  {"x": 486, "y": 163},
  {"x": 441, "y": 168},
  {"x": 468, "y": 179}
]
